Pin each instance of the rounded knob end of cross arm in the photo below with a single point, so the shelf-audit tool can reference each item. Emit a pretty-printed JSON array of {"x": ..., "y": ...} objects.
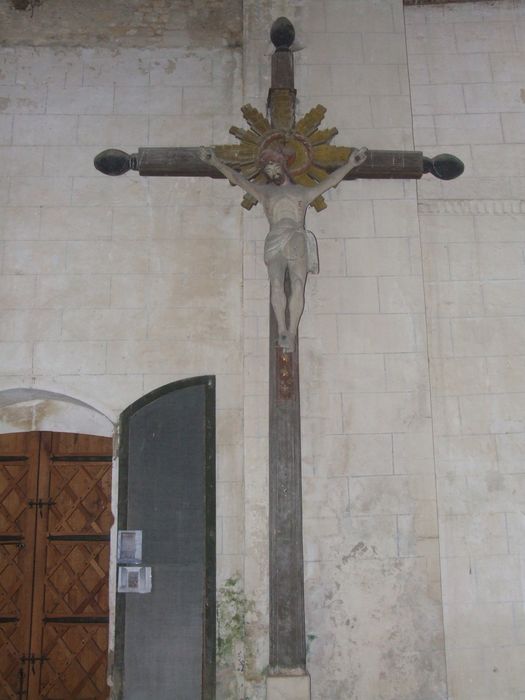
[
  {"x": 444, "y": 166},
  {"x": 282, "y": 33},
  {"x": 114, "y": 162}
]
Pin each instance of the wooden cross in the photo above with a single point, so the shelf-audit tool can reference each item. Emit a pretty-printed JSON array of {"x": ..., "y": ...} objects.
[{"x": 313, "y": 159}]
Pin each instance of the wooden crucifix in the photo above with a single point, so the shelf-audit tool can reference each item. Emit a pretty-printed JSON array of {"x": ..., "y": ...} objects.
[{"x": 286, "y": 164}]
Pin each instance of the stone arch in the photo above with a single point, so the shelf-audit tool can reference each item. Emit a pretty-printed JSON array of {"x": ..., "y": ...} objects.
[{"x": 24, "y": 409}]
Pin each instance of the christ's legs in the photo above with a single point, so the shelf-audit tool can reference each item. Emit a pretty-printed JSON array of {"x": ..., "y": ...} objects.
[
  {"x": 276, "y": 272},
  {"x": 296, "y": 300}
]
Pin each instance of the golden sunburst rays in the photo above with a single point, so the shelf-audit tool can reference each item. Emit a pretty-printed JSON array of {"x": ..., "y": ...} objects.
[{"x": 309, "y": 153}]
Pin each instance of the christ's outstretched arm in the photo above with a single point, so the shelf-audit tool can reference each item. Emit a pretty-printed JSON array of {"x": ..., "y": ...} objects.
[
  {"x": 207, "y": 155},
  {"x": 357, "y": 157}
]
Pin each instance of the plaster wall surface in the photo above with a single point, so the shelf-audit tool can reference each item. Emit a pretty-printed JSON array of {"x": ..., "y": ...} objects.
[{"x": 466, "y": 70}]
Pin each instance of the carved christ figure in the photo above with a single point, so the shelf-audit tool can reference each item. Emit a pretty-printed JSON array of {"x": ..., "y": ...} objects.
[{"x": 288, "y": 245}]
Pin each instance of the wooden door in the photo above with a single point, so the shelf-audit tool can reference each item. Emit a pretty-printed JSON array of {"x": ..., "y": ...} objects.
[{"x": 55, "y": 517}]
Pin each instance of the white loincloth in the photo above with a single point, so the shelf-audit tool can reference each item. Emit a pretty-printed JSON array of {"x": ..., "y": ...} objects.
[{"x": 281, "y": 234}]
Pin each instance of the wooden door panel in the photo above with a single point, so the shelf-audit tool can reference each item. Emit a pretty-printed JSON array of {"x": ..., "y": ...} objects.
[
  {"x": 13, "y": 646},
  {"x": 76, "y": 662},
  {"x": 55, "y": 516},
  {"x": 76, "y": 581},
  {"x": 80, "y": 492}
]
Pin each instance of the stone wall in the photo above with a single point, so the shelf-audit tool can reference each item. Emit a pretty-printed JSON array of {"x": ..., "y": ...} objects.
[
  {"x": 466, "y": 67},
  {"x": 112, "y": 287},
  {"x": 413, "y": 477}
]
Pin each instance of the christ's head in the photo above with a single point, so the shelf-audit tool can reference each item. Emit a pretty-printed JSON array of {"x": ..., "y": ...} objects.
[{"x": 274, "y": 164}]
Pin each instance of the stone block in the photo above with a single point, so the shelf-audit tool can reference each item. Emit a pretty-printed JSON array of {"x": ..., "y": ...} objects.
[
  {"x": 19, "y": 99},
  {"x": 464, "y": 261},
  {"x": 468, "y": 128},
  {"x": 406, "y": 372},
  {"x": 20, "y": 160},
  {"x": 445, "y": 415},
  {"x": 498, "y": 413},
  {"x": 440, "y": 99},
  {"x": 69, "y": 161},
  {"x": 466, "y": 454},
  {"x": 44, "y": 130},
  {"x": 458, "y": 580},
  {"x": 72, "y": 291},
  {"x": 205, "y": 257},
  {"x": 190, "y": 130},
  {"x": 7, "y": 66},
  {"x": 202, "y": 100},
  {"x": 29, "y": 325},
  {"x": 473, "y": 535},
  {"x": 449, "y": 228},
  {"x": 175, "y": 68},
  {"x": 494, "y": 97},
  {"x": 357, "y": 455},
  {"x": 348, "y": 111},
  {"x": 17, "y": 291},
  {"x": 371, "y": 80},
  {"x": 359, "y": 16},
  {"x": 436, "y": 262},
  {"x": 79, "y": 100},
  {"x": 323, "y": 48},
  {"x": 504, "y": 159},
  {"x": 413, "y": 453},
  {"x": 498, "y": 578},
  {"x": 401, "y": 412},
  {"x": 451, "y": 68},
  {"x": 396, "y": 218},
  {"x": 513, "y": 127},
  {"x": 76, "y": 223},
  {"x": 390, "y": 111},
  {"x": 155, "y": 99},
  {"x": 347, "y": 220},
  {"x": 510, "y": 451},
  {"x": 69, "y": 357},
  {"x": 117, "y": 130},
  {"x": 106, "y": 67},
  {"x": 342, "y": 295},
  {"x": 29, "y": 257},
  {"x": 352, "y": 373},
  {"x": 488, "y": 336},
  {"x": 16, "y": 357},
  {"x": 385, "y": 48},
  {"x": 107, "y": 257},
  {"x": 46, "y": 65},
  {"x": 103, "y": 324},
  {"x": 489, "y": 624},
  {"x": 452, "y": 299},
  {"x": 101, "y": 191},
  {"x": 378, "y": 256},
  {"x": 400, "y": 295},
  {"x": 6, "y": 129},
  {"x": 478, "y": 37},
  {"x": 40, "y": 191},
  {"x": 380, "y": 333},
  {"x": 332, "y": 257},
  {"x": 20, "y": 223},
  {"x": 430, "y": 38}
]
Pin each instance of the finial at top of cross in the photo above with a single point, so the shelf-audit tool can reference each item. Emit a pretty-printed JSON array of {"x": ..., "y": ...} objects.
[{"x": 282, "y": 33}]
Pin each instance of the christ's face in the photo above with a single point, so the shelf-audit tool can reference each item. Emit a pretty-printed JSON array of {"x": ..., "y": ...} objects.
[{"x": 274, "y": 172}]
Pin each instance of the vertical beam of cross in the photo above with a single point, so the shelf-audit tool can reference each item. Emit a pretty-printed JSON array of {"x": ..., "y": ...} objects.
[{"x": 287, "y": 623}]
